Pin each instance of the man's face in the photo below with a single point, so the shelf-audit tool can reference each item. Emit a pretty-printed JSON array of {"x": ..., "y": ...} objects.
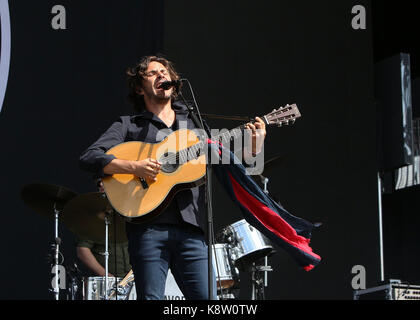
[{"x": 155, "y": 74}]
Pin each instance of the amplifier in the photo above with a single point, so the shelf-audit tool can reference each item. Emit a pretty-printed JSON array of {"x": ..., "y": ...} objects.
[{"x": 391, "y": 291}]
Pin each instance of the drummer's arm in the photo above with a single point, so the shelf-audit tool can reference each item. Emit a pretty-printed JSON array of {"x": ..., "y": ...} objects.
[{"x": 86, "y": 256}]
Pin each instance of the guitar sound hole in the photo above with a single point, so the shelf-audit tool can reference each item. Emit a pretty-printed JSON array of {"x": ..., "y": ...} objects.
[{"x": 170, "y": 162}]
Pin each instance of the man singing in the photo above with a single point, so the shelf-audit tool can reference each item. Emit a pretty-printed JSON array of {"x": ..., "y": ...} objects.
[{"x": 176, "y": 238}]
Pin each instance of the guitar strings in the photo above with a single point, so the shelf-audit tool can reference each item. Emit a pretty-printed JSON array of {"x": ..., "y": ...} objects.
[{"x": 195, "y": 151}]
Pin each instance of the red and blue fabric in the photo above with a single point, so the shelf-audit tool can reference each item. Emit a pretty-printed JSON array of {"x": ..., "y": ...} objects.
[{"x": 289, "y": 232}]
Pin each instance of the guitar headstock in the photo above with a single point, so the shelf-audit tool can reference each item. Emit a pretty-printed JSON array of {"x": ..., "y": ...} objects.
[{"x": 283, "y": 116}]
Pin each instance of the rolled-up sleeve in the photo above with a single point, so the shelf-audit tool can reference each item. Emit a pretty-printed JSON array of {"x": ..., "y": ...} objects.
[{"x": 94, "y": 158}]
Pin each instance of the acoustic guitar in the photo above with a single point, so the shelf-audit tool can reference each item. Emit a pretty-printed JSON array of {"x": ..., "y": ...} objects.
[{"x": 182, "y": 155}]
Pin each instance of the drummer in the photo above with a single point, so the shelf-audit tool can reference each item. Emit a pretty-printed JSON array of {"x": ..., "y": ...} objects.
[{"x": 92, "y": 256}]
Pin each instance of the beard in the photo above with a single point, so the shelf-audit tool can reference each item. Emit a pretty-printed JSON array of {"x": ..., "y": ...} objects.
[{"x": 158, "y": 97}]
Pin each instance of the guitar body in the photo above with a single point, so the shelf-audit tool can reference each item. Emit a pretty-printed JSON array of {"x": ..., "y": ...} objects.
[{"x": 141, "y": 200}]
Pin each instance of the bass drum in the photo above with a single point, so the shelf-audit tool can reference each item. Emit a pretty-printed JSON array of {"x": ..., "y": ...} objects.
[
  {"x": 246, "y": 244},
  {"x": 93, "y": 288}
]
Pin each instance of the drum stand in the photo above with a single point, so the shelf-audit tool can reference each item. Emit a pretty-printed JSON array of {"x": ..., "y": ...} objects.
[
  {"x": 56, "y": 246},
  {"x": 73, "y": 282},
  {"x": 106, "y": 254},
  {"x": 259, "y": 279},
  {"x": 259, "y": 276}
]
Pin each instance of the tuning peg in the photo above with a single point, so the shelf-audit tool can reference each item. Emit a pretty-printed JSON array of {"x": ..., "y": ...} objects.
[
  {"x": 292, "y": 121},
  {"x": 280, "y": 124}
]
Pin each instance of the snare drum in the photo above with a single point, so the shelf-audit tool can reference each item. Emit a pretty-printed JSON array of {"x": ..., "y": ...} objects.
[
  {"x": 94, "y": 289},
  {"x": 245, "y": 243},
  {"x": 223, "y": 269}
]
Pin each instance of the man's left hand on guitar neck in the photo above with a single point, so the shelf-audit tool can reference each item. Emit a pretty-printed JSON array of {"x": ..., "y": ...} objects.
[{"x": 256, "y": 135}]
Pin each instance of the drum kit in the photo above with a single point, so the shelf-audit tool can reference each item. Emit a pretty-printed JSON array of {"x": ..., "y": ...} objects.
[
  {"x": 238, "y": 247},
  {"x": 86, "y": 215},
  {"x": 241, "y": 247}
]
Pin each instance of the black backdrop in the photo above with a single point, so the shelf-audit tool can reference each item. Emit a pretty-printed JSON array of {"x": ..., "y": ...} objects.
[
  {"x": 65, "y": 88},
  {"x": 243, "y": 58}
]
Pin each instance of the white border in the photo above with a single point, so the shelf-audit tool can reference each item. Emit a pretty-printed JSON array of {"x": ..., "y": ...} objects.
[{"x": 5, "y": 48}]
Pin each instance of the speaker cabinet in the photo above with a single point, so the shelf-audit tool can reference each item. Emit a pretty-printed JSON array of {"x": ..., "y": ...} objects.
[{"x": 394, "y": 106}]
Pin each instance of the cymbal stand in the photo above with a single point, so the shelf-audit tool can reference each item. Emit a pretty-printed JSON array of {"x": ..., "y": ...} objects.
[
  {"x": 57, "y": 253},
  {"x": 106, "y": 254},
  {"x": 259, "y": 279},
  {"x": 264, "y": 180}
]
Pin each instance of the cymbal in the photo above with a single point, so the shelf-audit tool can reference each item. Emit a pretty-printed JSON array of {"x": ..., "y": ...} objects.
[
  {"x": 85, "y": 216},
  {"x": 42, "y": 198},
  {"x": 270, "y": 164}
]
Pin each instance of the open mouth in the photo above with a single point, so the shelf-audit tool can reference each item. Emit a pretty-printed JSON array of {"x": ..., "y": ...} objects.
[{"x": 159, "y": 85}]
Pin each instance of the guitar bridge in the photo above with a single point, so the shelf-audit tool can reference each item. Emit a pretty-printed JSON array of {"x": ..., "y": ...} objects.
[{"x": 144, "y": 183}]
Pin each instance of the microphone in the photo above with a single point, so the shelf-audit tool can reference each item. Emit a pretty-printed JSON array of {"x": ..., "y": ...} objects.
[{"x": 168, "y": 84}]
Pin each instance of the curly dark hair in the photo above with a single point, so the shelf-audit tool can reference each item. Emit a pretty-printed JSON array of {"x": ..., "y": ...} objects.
[{"x": 136, "y": 75}]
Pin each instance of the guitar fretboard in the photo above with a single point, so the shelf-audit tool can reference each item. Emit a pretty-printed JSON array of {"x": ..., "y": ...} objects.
[{"x": 195, "y": 151}]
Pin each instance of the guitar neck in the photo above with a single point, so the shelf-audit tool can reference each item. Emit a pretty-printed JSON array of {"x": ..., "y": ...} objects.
[
  {"x": 282, "y": 116},
  {"x": 234, "y": 133},
  {"x": 196, "y": 150},
  {"x": 229, "y": 134}
]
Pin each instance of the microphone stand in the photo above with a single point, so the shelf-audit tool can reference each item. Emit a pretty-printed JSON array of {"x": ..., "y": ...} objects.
[{"x": 199, "y": 124}]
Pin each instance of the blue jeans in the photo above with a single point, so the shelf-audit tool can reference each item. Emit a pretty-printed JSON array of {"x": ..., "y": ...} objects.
[{"x": 153, "y": 249}]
